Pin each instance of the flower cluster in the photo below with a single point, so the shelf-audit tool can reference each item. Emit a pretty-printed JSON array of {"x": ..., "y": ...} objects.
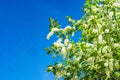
[{"x": 96, "y": 55}]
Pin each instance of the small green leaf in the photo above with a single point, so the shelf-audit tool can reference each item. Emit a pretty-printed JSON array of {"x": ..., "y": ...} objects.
[
  {"x": 49, "y": 52},
  {"x": 50, "y": 19}
]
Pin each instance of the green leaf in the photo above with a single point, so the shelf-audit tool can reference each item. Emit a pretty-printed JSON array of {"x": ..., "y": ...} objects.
[
  {"x": 50, "y": 19},
  {"x": 49, "y": 52}
]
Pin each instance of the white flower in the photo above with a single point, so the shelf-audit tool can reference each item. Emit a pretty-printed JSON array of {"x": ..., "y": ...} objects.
[
  {"x": 70, "y": 19},
  {"x": 69, "y": 46},
  {"x": 59, "y": 65},
  {"x": 91, "y": 18},
  {"x": 50, "y": 68},
  {"x": 49, "y": 35},
  {"x": 67, "y": 28},
  {"x": 116, "y": 63},
  {"x": 78, "y": 22},
  {"x": 59, "y": 40},
  {"x": 111, "y": 39},
  {"x": 89, "y": 45},
  {"x": 63, "y": 72},
  {"x": 77, "y": 59},
  {"x": 111, "y": 64},
  {"x": 110, "y": 15},
  {"x": 63, "y": 51},
  {"x": 76, "y": 77},
  {"x": 58, "y": 74},
  {"x": 95, "y": 9},
  {"x": 66, "y": 42},
  {"x": 100, "y": 38},
  {"x": 68, "y": 74},
  {"x": 107, "y": 30},
  {"x": 108, "y": 73},
  {"x": 111, "y": 59},
  {"x": 104, "y": 50},
  {"x": 52, "y": 32},
  {"x": 116, "y": 4},
  {"x": 99, "y": 26},
  {"x": 58, "y": 43},
  {"x": 85, "y": 25},
  {"x": 55, "y": 29},
  {"x": 95, "y": 31},
  {"x": 91, "y": 61},
  {"x": 116, "y": 45},
  {"x": 106, "y": 64}
]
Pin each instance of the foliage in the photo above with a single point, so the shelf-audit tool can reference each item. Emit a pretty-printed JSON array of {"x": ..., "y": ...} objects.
[{"x": 96, "y": 55}]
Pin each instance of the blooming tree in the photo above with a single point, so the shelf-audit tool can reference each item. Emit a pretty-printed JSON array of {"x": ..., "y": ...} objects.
[{"x": 96, "y": 55}]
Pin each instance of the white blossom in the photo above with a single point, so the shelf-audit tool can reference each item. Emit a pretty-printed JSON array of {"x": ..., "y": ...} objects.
[
  {"x": 95, "y": 9},
  {"x": 59, "y": 40},
  {"x": 99, "y": 26},
  {"x": 76, "y": 77},
  {"x": 50, "y": 34},
  {"x": 116, "y": 4},
  {"x": 58, "y": 74},
  {"x": 63, "y": 72},
  {"x": 116, "y": 45},
  {"x": 58, "y": 43},
  {"x": 59, "y": 65},
  {"x": 100, "y": 39},
  {"x": 111, "y": 64},
  {"x": 77, "y": 59},
  {"x": 78, "y": 22},
  {"x": 91, "y": 18},
  {"x": 104, "y": 50},
  {"x": 111, "y": 59},
  {"x": 116, "y": 63},
  {"x": 107, "y": 30},
  {"x": 70, "y": 19},
  {"x": 68, "y": 74},
  {"x": 110, "y": 15},
  {"x": 63, "y": 51},
  {"x": 67, "y": 28},
  {"x": 95, "y": 31},
  {"x": 69, "y": 46},
  {"x": 50, "y": 67},
  {"x": 66, "y": 41},
  {"x": 106, "y": 64},
  {"x": 85, "y": 25},
  {"x": 108, "y": 73},
  {"x": 111, "y": 39},
  {"x": 91, "y": 61},
  {"x": 55, "y": 29},
  {"x": 89, "y": 45}
]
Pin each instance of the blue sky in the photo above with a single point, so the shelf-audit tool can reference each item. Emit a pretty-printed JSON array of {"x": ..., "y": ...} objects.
[{"x": 24, "y": 25}]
